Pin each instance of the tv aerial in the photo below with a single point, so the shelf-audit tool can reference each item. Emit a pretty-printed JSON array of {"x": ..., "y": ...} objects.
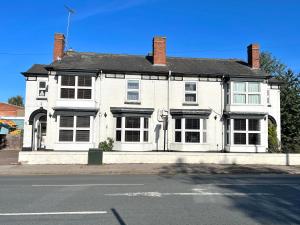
[{"x": 70, "y": 12}]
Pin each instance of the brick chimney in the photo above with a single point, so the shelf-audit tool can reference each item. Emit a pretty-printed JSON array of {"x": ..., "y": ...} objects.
[
  {"x": 159, "y": 51},
  {"x": 59, "y": 46},
  {"x": 253, "y": 56}
]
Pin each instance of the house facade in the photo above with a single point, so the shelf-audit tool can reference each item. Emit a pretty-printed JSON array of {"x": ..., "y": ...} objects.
[{"x": 149, "y": 103}]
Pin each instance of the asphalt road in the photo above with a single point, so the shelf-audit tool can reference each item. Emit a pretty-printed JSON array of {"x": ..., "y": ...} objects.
[{"x": 149, "y": 199}]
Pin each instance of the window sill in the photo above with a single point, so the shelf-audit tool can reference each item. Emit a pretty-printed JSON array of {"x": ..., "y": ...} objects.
[
  {"x": 41, "y": 98},
  {"x": 132, "y": 103},
  {"x": 190, "y": 104}
]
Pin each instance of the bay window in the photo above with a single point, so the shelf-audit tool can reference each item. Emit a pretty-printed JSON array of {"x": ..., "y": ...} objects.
[
  {"x": 132, "y": 129},
  {"x": 246, "y": 131},
  {"x": 190, "y": 130},
  {"x": 76, "y": 87},
  {"x": 246, "y": 93},
  {"x": 74, "y": 128}
]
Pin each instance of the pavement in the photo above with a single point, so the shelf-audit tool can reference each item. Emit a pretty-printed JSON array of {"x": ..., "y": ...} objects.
[
  {"x": 184, "y": 199},
  {"x": 8, "y": 157}
]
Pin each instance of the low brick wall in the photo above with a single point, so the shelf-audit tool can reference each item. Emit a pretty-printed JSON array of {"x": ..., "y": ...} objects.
[{"x": 161, "y": 157}]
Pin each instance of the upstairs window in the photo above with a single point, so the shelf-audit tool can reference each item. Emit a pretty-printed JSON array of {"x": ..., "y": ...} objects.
[
  {"x": 42, "y": 89},
  {"x": 133, "y": 90},
  {"x": 190, "y": 94},
  {"x": 76, "y": 86},
  {"x": 246, "y": 93}
]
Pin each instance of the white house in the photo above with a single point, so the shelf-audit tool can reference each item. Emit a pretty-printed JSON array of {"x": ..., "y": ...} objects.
[{"x": 148, "y": 103}]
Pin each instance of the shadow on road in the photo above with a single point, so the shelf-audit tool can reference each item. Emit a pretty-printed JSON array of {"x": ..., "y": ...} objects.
[
  {"x": 118, "y": 217},
  {"x": 282, "y": 206}
]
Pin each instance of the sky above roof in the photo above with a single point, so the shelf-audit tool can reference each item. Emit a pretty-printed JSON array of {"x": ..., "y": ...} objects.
[{"x": 209, "y": 29}]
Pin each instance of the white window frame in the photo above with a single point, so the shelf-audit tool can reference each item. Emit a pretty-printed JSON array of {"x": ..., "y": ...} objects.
[
  {"x": 246, "y": 93},
  {"x": 123, "y": 129},
  {"x": 190, "y": 92},
  {"x": 137, "y": 90},
  {"x": 42, "y": 89},
  {"x": 246, "y": 131},
  {"x": 74, "y": 129},
  {"x": 202, "y": 129},
  {"x": 76, "y": 87}
]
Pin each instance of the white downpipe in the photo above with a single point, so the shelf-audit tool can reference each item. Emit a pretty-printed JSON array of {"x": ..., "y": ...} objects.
[{"x": 169, "y": 115}]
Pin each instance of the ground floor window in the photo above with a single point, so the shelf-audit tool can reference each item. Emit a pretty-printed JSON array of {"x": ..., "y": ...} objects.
[
  {"x": 132, "y": 129},
  {"x": 246, "y": 131},
  {"x": 190, "y": 130},
  {"x": 74, "y": 128}
]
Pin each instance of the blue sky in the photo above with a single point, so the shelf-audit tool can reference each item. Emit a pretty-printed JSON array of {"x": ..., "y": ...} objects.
[{"x": 213, "y": 29}]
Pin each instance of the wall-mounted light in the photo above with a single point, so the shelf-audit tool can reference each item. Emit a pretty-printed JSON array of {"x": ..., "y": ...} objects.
[
  {"x": 105, "y": 115},
  {"x": 216, "y": 117}
]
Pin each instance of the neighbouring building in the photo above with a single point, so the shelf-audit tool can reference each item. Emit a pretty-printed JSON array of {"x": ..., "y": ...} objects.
[{"x": 151, "y": 102}]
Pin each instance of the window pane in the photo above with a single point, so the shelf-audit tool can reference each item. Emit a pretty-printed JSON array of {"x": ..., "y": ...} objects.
[
  {"x": 65, "y": 135},
  {"x": 228, "y": 124},
  {"x": 193, "y": 137},
  {"x": 132, "y": 122},
  {"x": 133, "y": 84},
  {"x": 66, "y": 121},
  {"x": 84, "y": 94},
  {"x": 190, "y": 97},
  {"x": 67, "y": 93},
  {"x": 239, "y": 87},
  {"x": 132, "y": 136},
  {"x": 146, "y": 125},
  {"x": 119, "y": 122},
  {"x": 177, "y": 123},
  {"x": 254, "y": 139},
  {"x": 177, "y": 136},
  {"x": 83, "y": 121},
  {"x": 240, "y": 138},
  {"x": 83, "y": 135},
  {"x": 133, "y": 95},
  {"x": 204, "y": 124},
  {"x": 68, "y": 80},
  {"x": 253, "y": 87},
  {"x": 254, "y": 99},
  {"x": 190, "y": 86},
  {"x": 42, "y": 84},
  {"x": 85, "y": 81},
  {"x": 118, "y": 135},
  {"x": 145, "y": 136},
  {"x": 192, "y": 124},
  {"x": 253, "y": 125},
  {"x": 241, "y": 99},
  {"x": 204, "y": 137},
  {"x": 239, "y": 124}
]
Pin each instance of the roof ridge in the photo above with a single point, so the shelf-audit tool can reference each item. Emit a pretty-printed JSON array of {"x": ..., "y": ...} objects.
[{"x": 144, "y": 56}]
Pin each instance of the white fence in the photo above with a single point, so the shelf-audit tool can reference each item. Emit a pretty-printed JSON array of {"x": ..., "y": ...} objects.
[{"x": 161, "y": 157}]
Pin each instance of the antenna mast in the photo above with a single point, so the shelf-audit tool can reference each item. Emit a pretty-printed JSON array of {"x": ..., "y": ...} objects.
[{"x": 70, "y": 11}]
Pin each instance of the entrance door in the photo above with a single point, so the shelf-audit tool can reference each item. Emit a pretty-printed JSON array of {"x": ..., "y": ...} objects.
[{"x": 41, "y": 132}]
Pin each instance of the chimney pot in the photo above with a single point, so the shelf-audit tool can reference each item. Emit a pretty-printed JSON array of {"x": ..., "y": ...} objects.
[
  {"x": 159, "y": 51},
  {"x": 59, "y": 46},
  {"x": 254, "y": 56}
]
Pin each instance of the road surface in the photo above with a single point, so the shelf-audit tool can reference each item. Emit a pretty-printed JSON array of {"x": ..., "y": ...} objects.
[{"x": 150, "y": 199}]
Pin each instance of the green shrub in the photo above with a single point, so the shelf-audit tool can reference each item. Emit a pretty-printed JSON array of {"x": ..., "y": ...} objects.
[
  {"x": 272, "y": 139},
  {"x": 107, "y": 145}
]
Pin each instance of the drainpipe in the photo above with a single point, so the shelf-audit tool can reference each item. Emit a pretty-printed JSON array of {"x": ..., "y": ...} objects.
[
  {"x": 222, "y": 110},
  {"x": 99, "y": 104},
  {"x": 168, "y": 118}
]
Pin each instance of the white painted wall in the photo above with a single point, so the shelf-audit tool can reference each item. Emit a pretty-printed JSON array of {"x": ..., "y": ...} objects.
[
  {"x": 109, "y": 92},
  {"x": 160, "y": 157}
]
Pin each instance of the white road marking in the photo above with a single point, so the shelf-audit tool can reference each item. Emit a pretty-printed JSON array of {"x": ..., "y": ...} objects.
[
  {"x": 159, "y": 195},
  {"x": 82, "y": 185},
  {"x": 247, "y": 184},
  {"x": 54, "y": 213}
]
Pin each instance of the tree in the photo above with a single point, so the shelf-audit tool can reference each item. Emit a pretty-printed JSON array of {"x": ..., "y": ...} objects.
[
  {"x": 16, "y": 100},
  {"x": 289, "y": 101},
  {"x": 273, "y": 145}
]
